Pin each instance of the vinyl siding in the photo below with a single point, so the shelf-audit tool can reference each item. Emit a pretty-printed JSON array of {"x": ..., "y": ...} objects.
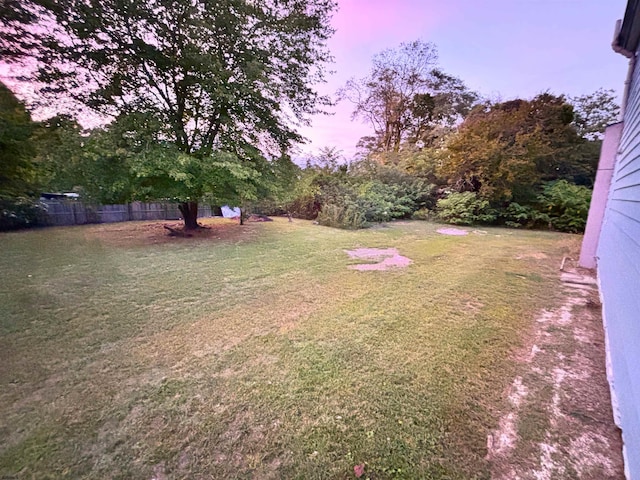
[{"x": 619, "y": 275}]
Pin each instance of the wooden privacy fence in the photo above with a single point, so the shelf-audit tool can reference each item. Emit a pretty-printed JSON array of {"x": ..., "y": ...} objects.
[{"x": 78, "y": 213}]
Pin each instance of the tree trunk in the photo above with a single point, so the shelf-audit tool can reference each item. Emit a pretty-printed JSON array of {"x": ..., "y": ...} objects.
[{"x": 189, "y": 211}]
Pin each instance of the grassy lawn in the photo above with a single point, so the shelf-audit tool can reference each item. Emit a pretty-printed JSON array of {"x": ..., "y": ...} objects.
[{"x": 257, "y": 353}]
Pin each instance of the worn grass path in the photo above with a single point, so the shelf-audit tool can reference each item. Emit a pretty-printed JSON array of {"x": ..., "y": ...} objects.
[{"x": 256, "y": 353}]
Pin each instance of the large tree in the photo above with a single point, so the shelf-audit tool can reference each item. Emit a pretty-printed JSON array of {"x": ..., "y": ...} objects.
[
  {"x": 502, "y": 151},
  {"x": 221, "y": 81},
  {"x": 406, "y": 96}
]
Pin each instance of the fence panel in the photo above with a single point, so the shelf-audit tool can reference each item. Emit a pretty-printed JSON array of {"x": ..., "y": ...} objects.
[
  {"x": 113, "y": 213},
  {"x": 61, "y": 213}
]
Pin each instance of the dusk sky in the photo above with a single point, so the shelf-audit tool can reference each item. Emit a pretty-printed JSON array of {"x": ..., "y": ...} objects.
[{"x": 501, "y": 48}]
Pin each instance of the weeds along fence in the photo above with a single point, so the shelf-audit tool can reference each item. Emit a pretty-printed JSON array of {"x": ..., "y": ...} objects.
[{"x": 60, "y": 213}]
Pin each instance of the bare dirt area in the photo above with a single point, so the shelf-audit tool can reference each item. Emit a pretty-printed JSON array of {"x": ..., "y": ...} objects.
[
  {"x": 166, "y": 231},
  {"x": 558, "y": 423},
  {"x": 385, "y": 258},
  {"x": 452, "y": 231}
]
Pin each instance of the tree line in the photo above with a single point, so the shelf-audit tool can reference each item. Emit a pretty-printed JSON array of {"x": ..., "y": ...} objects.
[
  {"x": 202, "y": 106},
  {"x": 440, "y": 151}
]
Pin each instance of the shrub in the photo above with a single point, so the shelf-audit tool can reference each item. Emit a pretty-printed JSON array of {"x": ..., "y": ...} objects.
[
  {"x": 381, "y": 203},
  {"x": 464, "y": 209},
  {"x": 422, "y": 214},
  {"x": 516, "y": 215},
  {"x": 20, "y": 213},
  {"x": 341, "y": 216},
  {"x": 565, "y": 205},
  {"x": 369, "y": 195}
]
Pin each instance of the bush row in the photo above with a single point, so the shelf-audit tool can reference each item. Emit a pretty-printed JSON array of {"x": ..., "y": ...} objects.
[
  {"x": 356, "y": 199},
  {"x": 560, "y": 206}
]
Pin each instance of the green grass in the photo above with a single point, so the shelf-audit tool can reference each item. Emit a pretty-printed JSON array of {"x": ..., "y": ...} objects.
[{"x": 259, "y": 354}]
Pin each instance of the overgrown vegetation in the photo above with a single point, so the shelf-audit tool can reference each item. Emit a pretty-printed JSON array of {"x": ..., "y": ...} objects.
[
  {"x": 565, "y": 205},
  {"x": 257, "y": 353},
  {"x": 465, "y": 209},
  {"x": 20, "y": 212},
  {"x": 520, "y": 163},
  {"x": 220, "y": 134},
  {"x": 355, "y": 196}
]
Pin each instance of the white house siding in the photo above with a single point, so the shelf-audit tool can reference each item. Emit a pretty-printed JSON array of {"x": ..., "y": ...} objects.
[{"x": 619, "y": 275}]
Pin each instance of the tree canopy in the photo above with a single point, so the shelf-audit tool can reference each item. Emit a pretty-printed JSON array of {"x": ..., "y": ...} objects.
[
  {"x": 503, "y": 150},
  {"x": 406, "y": 96},
  {"x": 593, "y": 112},
  {"x": 16, "y": 146},
  {"x": 221, "y": 82}
]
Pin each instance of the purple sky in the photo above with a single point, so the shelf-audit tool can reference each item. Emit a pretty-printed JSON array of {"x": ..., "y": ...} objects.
[{"x": 500, "y": 48}]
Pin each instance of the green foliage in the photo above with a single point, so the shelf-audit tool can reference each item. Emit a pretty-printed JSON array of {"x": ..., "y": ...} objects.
[
  {"x": 565, "y": 205},
  {"x": 464, "y": 208},
  {"x": 59, "y": 143},
  {"x": 315, "y": 188},
  {"x": 593, "y": 112},
  {"x": 504, "y": 151},
  {"x": 382, "y": 202},
  {"x": 410, "y": 192},
  {"x": 20, "y": 212},
  {"x": 348, "y": 216},
  {"x": 15, "y": 34},
  {"x": 422, "y": 214},
  {"x": 96, "y": 164},
  {"x": 214, "y": 75},
  {"x": 17, "y": 171},
  {"x": 128, "y": 160},
  {"x": 211, "y": 90},
  {"x": 279, "y": 183},
  {"x": 362, "y": 194},
  {"x": 221, "y": 177},
  {"x": 516, "y": 215}
]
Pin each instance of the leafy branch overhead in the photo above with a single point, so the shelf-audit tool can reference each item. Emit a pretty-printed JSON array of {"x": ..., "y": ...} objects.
[
  {"x": 593, "y": 112},
  {"x": 213, "y": 73}
]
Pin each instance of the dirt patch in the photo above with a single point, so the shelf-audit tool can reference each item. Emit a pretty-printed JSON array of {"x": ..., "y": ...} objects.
[
  {"x": 452, "y": 231},
  {"x": 558, "y": 422},
  {"x": 154, "y": 232},
  {"x": 385, "y": 258}
]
